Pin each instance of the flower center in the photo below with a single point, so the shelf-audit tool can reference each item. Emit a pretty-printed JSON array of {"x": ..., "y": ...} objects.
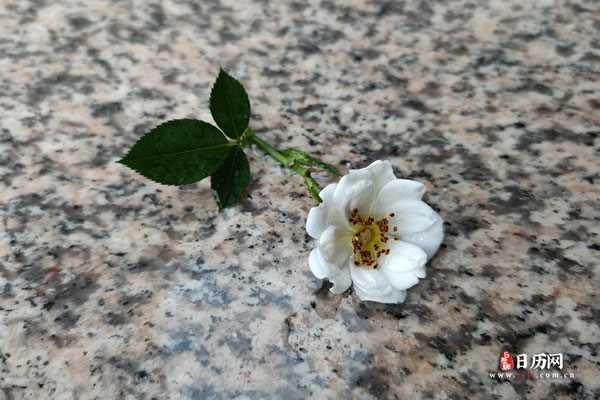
[{"x": 369, "y": 239}]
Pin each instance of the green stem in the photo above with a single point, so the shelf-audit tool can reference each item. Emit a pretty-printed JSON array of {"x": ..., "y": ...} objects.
[
  {"x": 266, "y": 147},
  {"x": 288, "y": 162},
  {"x": 303, "y": 158}
]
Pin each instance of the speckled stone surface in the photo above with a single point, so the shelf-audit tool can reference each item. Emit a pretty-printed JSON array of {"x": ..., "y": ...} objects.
[{"x": 113, "y": 287}]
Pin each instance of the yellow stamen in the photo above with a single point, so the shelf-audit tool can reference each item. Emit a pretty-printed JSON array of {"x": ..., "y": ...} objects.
[{"x": 369, "y": 239}]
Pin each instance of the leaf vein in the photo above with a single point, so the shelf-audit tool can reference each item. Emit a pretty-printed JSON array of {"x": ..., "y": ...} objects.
[{"x": 229, "y": 144}]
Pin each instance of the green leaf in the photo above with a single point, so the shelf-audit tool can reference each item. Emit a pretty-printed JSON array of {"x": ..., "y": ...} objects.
[
  {"x": 230, "y": 181},
  {"x": 229, "y": 105},
  {"x": 178, "y": 152}
]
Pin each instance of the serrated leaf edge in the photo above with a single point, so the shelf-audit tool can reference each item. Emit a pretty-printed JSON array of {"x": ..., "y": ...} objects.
[
  {"x": 224, "y": 72},
  {"x": 122, "y": 160},
  {"x": 216, "y": 193}
]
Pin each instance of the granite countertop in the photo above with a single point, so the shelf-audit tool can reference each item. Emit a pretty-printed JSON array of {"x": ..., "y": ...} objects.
[{"x": 113, "y": 287}]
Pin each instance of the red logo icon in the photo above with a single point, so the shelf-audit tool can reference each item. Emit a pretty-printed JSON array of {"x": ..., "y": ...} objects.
[{"x": 506, "y": 361}]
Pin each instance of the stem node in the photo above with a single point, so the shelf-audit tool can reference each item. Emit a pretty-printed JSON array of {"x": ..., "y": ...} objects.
[{"x": 285, "y": 159}]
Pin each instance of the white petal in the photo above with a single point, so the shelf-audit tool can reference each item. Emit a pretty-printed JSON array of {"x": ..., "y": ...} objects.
[
  {"x": 395, "y": 190},
  {"x": 316, "y": 222},
  {"x": 410, "y": 216},
  {"x": 335, "y": 245},
  {"x": 327, "y": 193},
  {"x": 403, "y": 265},
  {"x": 372, "y": 285},
  {"x": 318, "y": 267},
  {"x": 394, "y": 296},
  {"x": 403, "y": 257},
  {"x": 320, "y": 217},
  {"x": 341, "y": 281},
  {"x": 429, "y": 240},
  {"x": 361, "y": 185},
  {"x": 359, "y": 188},
  {"x": 339, "y": 276},
  {"x": 381, "y": 173},
  {"x": 354, "y": 190},
  {"x": 403, "y": 280}
]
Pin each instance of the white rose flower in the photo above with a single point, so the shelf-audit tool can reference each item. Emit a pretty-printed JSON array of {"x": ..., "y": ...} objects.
[{"x": 373, "y": 231}]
